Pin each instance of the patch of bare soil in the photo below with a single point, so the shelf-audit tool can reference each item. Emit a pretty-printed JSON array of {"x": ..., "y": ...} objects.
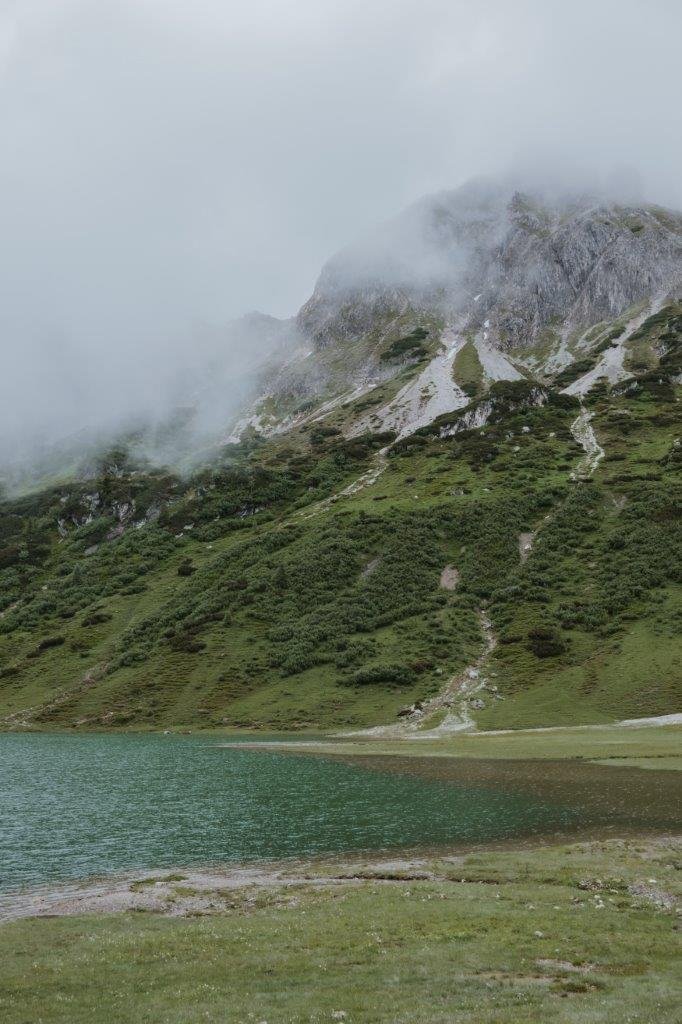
[
  {"x": 449, "y": 578},
  {"x": 525, "y": 545}
]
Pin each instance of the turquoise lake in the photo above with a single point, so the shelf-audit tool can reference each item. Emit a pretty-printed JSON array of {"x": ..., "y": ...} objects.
[{"x": 78, "y": 806}]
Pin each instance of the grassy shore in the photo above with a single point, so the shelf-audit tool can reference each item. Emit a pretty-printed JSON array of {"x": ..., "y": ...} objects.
[
  {"x": 583, "y": 933},
  {"x": 634, "y": 746}
]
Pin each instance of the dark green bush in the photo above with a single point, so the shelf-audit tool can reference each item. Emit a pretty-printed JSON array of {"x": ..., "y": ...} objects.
[
  {"x": 385, "y": 673},
  {"x": 545, "y": 642}
]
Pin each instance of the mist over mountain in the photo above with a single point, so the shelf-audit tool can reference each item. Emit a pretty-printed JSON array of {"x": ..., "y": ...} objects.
[
  {"x": 165, "y": 170},
  {"x": 198, "y": 384},
  {"x": 522, "y": 267},
  {"x": 533, "y": 252}
]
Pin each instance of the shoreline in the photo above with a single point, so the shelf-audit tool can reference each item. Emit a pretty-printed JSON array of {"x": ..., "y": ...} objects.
[
  {"x": 182, "y": 892},
  {"x": 611, "y": 810},
  {"x": 561, "y": 933},
  {"x": 653, "y": 744},
  {"x": 653, "y": 721}
]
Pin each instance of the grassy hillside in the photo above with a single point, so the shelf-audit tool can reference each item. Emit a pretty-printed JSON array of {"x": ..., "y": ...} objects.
[{"x": 244, "y": 596}]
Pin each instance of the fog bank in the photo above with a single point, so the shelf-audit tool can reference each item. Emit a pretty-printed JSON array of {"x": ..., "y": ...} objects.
[{"x": 167, "y": 167}]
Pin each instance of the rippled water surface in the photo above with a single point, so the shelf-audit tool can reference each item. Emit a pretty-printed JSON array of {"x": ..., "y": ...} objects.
[{"x": 75, "y": 806}]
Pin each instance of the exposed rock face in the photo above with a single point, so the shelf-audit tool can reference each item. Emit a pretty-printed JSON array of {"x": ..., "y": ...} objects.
[
  {"x": 580, "y": 267},
  {"x": 519, "y": 279},
  {"x": 428, "y": 258},
  {"x": 489, "y": 408},
  {"x": 521, "y": 262}
]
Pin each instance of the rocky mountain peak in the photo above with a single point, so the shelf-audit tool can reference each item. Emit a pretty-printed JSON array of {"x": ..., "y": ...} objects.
[{"x": 536, "y": 261}]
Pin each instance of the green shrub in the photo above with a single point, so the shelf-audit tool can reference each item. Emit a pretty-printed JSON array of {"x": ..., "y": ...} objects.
[
  {"x": 385, "y": 673},
  {"x": 545, "y": 642},
  {"x": 46, "y": 644},
  {"x": 409, "y": 346}
]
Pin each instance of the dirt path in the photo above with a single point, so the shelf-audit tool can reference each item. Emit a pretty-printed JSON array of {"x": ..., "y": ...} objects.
[
  {"x": 624, "y": 723},
  {"x": 449, "y": 578},
  {"x": 526, "y": 545}
]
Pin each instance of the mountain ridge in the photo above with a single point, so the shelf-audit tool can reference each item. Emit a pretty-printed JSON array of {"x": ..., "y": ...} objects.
[{"x": 522, "y": 279}]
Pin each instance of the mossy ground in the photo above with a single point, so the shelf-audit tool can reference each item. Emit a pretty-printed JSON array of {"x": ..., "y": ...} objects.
[{"x": 568, "y": 934}]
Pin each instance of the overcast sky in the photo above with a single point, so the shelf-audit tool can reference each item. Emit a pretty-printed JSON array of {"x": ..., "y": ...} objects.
[{"x": 168, "y": 163}]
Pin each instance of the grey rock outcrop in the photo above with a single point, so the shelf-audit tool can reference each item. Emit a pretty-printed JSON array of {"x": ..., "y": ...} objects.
[{"x": 513, "y": 263}]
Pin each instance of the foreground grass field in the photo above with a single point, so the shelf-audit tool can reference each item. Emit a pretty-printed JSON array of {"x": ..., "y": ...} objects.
[{"x": 573, "y": 934}]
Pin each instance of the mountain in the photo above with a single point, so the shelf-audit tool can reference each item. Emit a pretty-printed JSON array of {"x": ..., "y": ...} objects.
[
  {"x": 513, "y": 284},
  {"x": 525, "y": 262},
  {"x": 451, "y": 494}
]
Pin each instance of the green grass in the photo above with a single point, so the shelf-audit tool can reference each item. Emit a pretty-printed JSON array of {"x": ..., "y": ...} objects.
[
  {"x": 234, "y": 609},
  {"x": 494, "y": 938},
  {"x": 467, "y": 370},
  {"x": 634, "y": 746},
  {"x": 636, "y": 674}
]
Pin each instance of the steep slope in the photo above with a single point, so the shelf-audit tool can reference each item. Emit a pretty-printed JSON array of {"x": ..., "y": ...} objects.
[
  {"x": 423, "y": 490},
  {"x": 238, "y": 606},
  {"x": 522, "y": 262},
  {"x": 527, "y": 282}
]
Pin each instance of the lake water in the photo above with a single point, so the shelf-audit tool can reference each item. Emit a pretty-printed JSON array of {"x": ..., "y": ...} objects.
[{"x": 77, "y": 806}]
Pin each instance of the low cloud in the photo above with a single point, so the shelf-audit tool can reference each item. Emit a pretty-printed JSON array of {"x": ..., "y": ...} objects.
[{"x": 167, "y": 167}]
